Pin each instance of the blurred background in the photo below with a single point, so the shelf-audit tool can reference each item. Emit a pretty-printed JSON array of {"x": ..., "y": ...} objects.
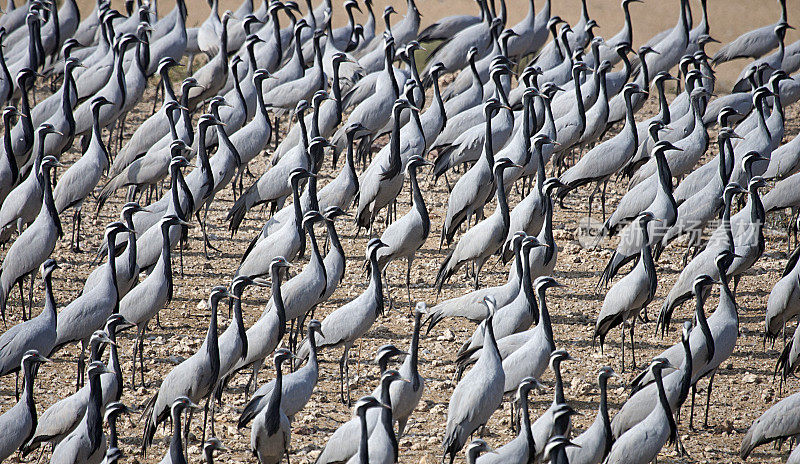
[{"x": 729, "y": 18}]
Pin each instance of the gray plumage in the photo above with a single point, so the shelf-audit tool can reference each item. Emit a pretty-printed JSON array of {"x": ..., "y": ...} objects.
[
  {"x": 779, "y": 422},
  {"x": 36, "y": 243},
  {"x": 194, "y": 377},
  {"x": 19, "y": 421},
  {"x": 477, "y": 395},
  {"x": 348, "y": 323},
  {"x": 37, "y": 334}
]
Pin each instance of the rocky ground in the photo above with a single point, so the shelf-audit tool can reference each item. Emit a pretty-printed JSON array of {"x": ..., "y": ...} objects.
[{"x": 744, "y": 386}]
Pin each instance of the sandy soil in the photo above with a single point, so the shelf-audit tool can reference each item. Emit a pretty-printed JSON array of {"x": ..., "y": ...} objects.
[{"x": 744, "y": 384}]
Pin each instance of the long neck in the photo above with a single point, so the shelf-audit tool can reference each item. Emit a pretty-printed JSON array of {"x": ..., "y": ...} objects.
[
  {"x": 212, "y": 343},
  {"x": 94, "y": 416},
  {"x": 166, "y": 261},
  {"x": 315, "y": 253},
  {"x": 202, "y": 156},
  {"x": 756, "y": 208},
  {"x": 437, "y": 96},
  {"x": 262, "y": 109},
  {"x": 579, "y": 97},
  {"x": 386, "y": 414},
  {"x": 50, "y": 301},
  {"x": 700, "y": 315},
  {"x": 349, "y": 161},
  {"x": 724, "y": 174},
  {"x": 603, "y": 412},
  {"x": 312, "y": 359},
  {"x": 337, "y": 93},
  {"x": 395, "y": 163},
  {"x": 8, "y": 146},
  {"x": 627, "y": 28},
  {"x": 273, "y": 411},
  {"x": 630, "y": 122},
  {"x": 415, "y": 383},
  {"x": 176, "y": 443},
  {"x": 392, "y": 78},
  {"x": 276, "y": 33},
  {"x": 27, "y": 394},
  {"x": 664, "y": 174},
  {"x": 558, "y": 397},
  {"x": 363, "y": 446},
  {"x": 49, "y": 203},
  {"x": 527, "y": 285},
  {"x": 419, "y": 202},
  {"x": 527, "y": 127},
  {"x": 544, "y": 319},
  {"x": 646, "y": 255},
  {"x": 223, "y": 42},
  {"x": 376, "y": 283},
  {"x": 66, "y": 101},
  {"x": 547, "y": 230},
  {"x": 540, "y": 174},
  {"x": 488, "y": 149},
  {"x": 334, "y": 238},
  {"x": 301, "y": 120},
  {"x": 119, "y": 74},
  {"x": 502, "y": 201},
  {"x": 662, "y": 398},
  {"x": 280, "y": 309}
]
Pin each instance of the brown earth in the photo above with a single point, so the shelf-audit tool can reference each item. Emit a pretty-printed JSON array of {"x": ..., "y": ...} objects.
[{"x": 743, "y": 387}]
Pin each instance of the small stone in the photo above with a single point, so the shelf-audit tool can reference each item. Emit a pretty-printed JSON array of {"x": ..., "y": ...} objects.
[
  {"x": 447, "y": 336},
  {"x": 750, "y": 378},
  {"x": 202, "y": 305}
]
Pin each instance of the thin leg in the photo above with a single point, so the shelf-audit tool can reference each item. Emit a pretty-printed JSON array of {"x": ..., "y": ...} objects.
[
  {"x": 341, "y": 376},
  {"x": 603, "y": 199},
  {"x": 408, "y": 279},
  {"x": 347, "y": 373},
  {"x": 622, "y": 332},
  {"x": 141, "y": 355},
  {"x": 691, "y": 410},
  {"x": 21, "y": 299},
  {"x": 708, "y": 396},
  {"x": 633, "y": 349},
  {"x": 205, "y": 418}
]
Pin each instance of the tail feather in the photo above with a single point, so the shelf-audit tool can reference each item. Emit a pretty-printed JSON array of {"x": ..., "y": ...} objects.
[
  {"x": 251, "y": 410},
  {"x": 784, "y": 364},
  {"x": 240, "y": 207},
  {"x": 111, "y": 186},
  {"x": 442, "y": 162},
  {"x": 446, "y": 271},
  {"x": 149, "y": 426}
]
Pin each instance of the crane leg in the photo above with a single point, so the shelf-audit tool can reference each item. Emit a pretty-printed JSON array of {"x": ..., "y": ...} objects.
[
  {"x": 622, "y": 331},
  {"x": 141, "y": 355},
  {"x": 691, "y": 410},
  {"x": 347, "y": 373},
  {"x": 408, "y": 281},
  {"x": 79, "y": 379},
  {"x": 133, "y": 360},
  {"x": 603, "y": 200},
  {"x": 205, "y": 418},
  {"x": 21, "y": 300},
  {"x": 633, "y": 349},
  {"x": 708, "y": 396}
]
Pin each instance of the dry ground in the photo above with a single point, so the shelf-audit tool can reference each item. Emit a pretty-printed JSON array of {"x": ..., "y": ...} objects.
[{"x": 744, "y": 386}]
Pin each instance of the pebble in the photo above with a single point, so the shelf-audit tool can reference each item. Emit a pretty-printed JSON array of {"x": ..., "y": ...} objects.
[
  {"x": 446, "y": 336},
  {"x": 202, "y": 305}
]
